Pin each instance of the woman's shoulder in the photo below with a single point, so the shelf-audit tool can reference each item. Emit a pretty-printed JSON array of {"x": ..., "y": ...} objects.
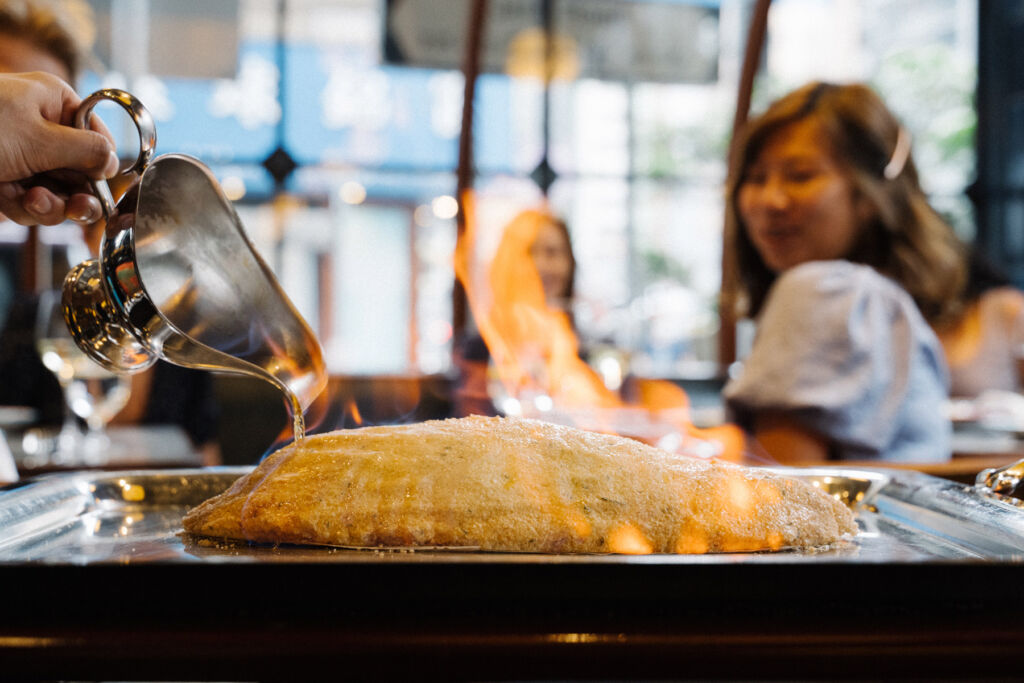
[
  {"x": 840, "y": 285},
  {"x": 835, "y": 275}
]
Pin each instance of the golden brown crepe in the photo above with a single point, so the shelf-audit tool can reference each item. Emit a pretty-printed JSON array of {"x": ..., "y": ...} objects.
[{"x": 506, "y": 484}]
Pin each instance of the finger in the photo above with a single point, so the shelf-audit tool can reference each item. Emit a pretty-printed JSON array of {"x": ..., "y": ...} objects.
[
  {"x": 65, "y": 100},
  {"x": 83, "y": 208},
  {"x": 81, "y": 203},
  {"x": 45, "y": 207},
  {"x": 11, "y": 195},
  {"x": 80, "y": 150},
  {"x": 70, "y": 102},
  {"x": 111, "y": 169}
]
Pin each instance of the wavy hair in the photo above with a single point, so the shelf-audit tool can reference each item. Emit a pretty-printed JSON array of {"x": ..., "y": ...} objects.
[{"x": 905, "y": 239}]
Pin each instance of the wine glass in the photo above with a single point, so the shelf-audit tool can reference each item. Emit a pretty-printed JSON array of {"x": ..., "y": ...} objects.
[{"x": 91, "y": 392}]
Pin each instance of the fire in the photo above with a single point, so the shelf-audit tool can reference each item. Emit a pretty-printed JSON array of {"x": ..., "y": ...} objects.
[
  {"x": 627, "y": 539},
  {"x": 352, "y": 409},
  {"x": 535, "y": 353},
  {"x": 350, "y": 402},
  {"x": 532, "y": 345},
  {"x": 740, "y": 496},
  {"x": 692, "y": 543}
]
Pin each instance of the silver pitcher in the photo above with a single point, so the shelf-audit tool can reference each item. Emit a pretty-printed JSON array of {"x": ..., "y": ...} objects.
[{"x": 177, "y": 278}]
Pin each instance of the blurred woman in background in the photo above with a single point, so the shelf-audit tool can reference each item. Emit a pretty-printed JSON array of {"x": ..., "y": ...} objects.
[
  {"x": 984, "y": 345},
  {"x": 525, "y": 317},
  {"x": 844, "y": 266}
]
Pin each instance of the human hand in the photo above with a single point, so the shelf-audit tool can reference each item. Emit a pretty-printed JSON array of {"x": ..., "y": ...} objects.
[{"x": 45, "y": 163}]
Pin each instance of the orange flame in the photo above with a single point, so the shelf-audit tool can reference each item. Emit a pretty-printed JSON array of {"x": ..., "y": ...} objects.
[
  {"x": 692, "y": 543},
  {"x": 352, "y": 409},
  {"x": 627, "y": 539},
  {"x": 532, "y": 345},
  {"x": 535, "y": 352}
]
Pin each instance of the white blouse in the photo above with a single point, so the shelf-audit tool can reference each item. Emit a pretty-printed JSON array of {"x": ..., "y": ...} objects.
[{"x": 844, "y": 352}]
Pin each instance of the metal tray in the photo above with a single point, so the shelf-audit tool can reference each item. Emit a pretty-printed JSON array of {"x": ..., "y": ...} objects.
[
  {"x": 100, "y": 585},
  {"x": 135, "y": 517}
]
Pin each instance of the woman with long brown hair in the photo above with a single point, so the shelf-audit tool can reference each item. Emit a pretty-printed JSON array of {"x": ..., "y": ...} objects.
[
  {"x": 844, "y": 265},
  {"x": 525, "y": 319}
]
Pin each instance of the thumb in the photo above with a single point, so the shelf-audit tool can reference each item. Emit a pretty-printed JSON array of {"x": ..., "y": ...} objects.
[{"x": 79, "y": 150}]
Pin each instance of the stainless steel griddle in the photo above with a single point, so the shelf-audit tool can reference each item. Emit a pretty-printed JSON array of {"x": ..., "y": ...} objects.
[{"x": 100, "y": 583}]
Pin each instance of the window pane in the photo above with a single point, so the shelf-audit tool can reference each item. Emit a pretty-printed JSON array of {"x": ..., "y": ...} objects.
[
  {"x": 376, "y": 241},
  {"x": 635, "y": 126},
  {"x": 678, "y": 263},
  {"x": 218, "y": 99},
  {"x": 590, "y": 128},
  {"x": 920, "y": 55},
  {"x": 597, "y": 212}
]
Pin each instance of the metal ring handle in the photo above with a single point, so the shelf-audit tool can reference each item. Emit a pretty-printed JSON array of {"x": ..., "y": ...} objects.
[{"x": 143, "y": 123}]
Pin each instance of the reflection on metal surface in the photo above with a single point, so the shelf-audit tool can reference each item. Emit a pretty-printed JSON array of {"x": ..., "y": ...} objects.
[
  {"x": 847, "y": 491},
  {"x": 1006, "y": 481},
  {"x": 577, "y": 638},
  {"x": 27, "y": 642},
  {"x": 132, "y": 493},
  {"x": 86, "y": 517}
]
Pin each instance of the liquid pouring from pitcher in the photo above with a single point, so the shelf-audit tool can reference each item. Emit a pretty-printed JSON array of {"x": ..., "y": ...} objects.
[{"x": 178, "y": 279}]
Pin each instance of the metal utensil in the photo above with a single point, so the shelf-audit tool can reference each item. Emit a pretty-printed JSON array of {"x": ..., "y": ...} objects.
[
  {"x": 1008, "y": 481},
  {"x": 177, "y": 278}
]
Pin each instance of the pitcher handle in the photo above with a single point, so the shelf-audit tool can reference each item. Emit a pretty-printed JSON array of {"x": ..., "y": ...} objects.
[{"x": 143, "y": 124}]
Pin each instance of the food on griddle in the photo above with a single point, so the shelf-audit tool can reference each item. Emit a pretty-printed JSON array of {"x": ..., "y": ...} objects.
[{"x": 505, "y": 484}]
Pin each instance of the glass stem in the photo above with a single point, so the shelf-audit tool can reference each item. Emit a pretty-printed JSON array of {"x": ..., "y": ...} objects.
[{"x": 69, "y": 439}]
